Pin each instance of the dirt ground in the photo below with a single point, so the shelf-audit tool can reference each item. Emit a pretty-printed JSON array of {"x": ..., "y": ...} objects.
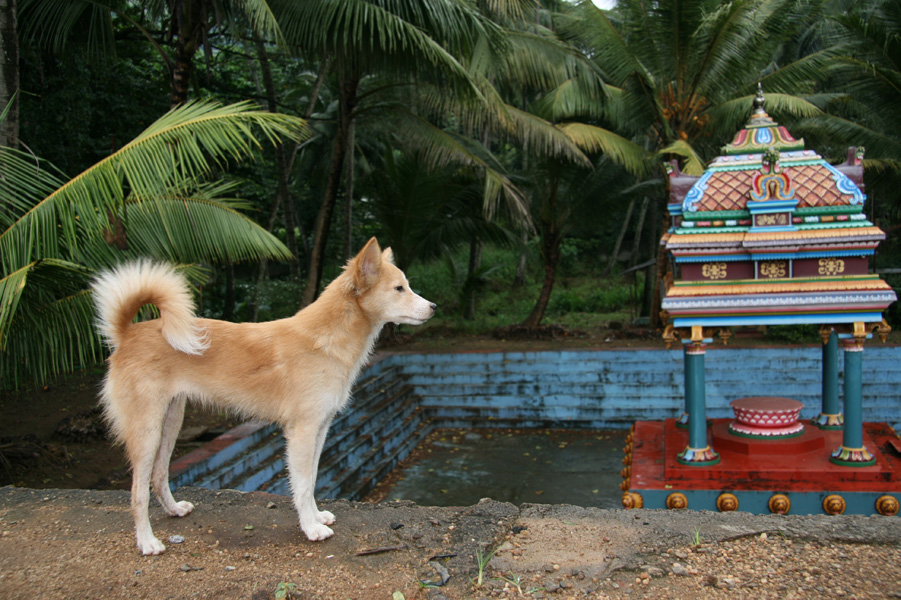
[{"x": 79, "y": 544}]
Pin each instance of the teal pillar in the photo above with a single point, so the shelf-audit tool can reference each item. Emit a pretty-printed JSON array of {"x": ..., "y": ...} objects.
[
  {"x": 831, "y": 416},
  {"x": 698, "y": 452},
  {"x": 852, "y": 452},
  {"x": 682, "y": 421}
]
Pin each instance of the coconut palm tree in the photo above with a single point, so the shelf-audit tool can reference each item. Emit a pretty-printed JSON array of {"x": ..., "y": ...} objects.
[{"x": 153, "y": 197}]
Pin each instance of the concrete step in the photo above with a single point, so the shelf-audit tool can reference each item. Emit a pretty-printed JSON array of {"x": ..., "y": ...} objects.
[{"x": 229, "y": 474}]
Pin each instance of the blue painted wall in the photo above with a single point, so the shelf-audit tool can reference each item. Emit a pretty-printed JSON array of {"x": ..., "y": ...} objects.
[{"x": 614, "y": 388}]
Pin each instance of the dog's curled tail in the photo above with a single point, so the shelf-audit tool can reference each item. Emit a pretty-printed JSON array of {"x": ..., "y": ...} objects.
[{"x": 121, "y": 292}]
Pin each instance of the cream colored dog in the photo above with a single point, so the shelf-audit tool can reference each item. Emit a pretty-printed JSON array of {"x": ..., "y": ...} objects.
[{"x": 296, "y": 372}]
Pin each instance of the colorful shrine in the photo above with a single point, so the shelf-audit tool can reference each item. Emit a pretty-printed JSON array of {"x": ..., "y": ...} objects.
[{"x": 770, "y": 234}]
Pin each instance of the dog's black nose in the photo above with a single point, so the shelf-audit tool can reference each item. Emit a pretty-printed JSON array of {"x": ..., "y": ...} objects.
[{"x": 434, "y": 306}]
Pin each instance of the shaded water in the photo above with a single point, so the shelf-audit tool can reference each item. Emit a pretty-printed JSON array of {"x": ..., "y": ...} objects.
[{"x": 460, "y": 467}]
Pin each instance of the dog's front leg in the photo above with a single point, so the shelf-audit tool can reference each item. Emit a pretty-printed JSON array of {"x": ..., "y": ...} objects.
[
  {"x": 323, "y": 516},
  {"x": 302, "y": 443}
]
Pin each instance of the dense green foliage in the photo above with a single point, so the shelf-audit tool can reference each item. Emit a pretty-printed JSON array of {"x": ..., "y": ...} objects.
[{"x": 505, "y": 150}]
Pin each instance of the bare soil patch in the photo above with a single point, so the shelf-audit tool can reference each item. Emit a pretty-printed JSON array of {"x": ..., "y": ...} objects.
[{"x": 80, "y": 544}]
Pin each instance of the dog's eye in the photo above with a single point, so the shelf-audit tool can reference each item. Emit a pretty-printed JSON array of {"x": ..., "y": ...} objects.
[{"x": 399, "y": 288}]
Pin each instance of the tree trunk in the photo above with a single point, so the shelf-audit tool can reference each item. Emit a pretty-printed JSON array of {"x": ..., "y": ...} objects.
[
  {"x": 551, "y": 242},
  {"x": 650, "y": 276},
  {"x": 551, "y": 250},
  {"x": 619, "y": 240},
  {"x": 263, "y": 272},
  {"x": 639, "y": 228},
  {"x": 9, "y": 73},
  {"x": 654, "y": 310},
  {"x": 520, "y": 279},
  {"x": 282, "y": 189},
  {"x": 347, "y": 100},
  {"x": 475, "y": 262},
  {"x": 349, "y": 194},
  {"x": 228, "y": 311},
  {"x": 187, "y": 25}
]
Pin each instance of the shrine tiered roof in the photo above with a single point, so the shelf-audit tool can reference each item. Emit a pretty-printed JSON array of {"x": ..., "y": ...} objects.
[{"x": 772, "y": 232}]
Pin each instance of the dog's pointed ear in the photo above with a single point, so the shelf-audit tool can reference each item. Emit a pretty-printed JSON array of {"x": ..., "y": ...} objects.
[
  {"x": 388, "y": 255},
  {"x": 367, "y": 265}
]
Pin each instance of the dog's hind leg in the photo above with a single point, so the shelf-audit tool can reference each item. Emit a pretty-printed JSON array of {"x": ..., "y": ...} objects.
[
  {"x": 323, "y": 516},
  {"x": 160, "y": 479},
  {"x": 142, "y": 441},
  {"x": 302, "y": 450}
]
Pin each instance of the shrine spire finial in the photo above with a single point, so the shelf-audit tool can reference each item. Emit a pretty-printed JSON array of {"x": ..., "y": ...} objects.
[{"x": 759, "y": 101}]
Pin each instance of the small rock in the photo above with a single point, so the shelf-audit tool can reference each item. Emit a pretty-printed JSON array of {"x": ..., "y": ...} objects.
[
  {"x": 763, "y": 536},
  {"x": 442, "y": 572},
  {"x": 176, "y": 539},
  {"x": 396, "y": 526},
  {"x": 230, "y": 568},
  {"x": 188, "y": 568},
  {"x": 678, "y": 569},
  {"x": 272, "y": 505},
  {"x": 655, "y": 572}
]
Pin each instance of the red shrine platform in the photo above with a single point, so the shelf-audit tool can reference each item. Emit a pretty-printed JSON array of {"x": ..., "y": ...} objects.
[{"x": 789, "y": 475}]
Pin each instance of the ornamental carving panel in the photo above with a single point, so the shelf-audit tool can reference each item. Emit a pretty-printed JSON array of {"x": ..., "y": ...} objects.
[
  {"x": 773, "y": 269},
  {"x": 831, "y": 266},
  {"x": 772, "y": 220},
  {"x": 714, "y": 270}
]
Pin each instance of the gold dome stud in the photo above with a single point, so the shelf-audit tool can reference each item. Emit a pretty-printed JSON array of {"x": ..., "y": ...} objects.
[
  {"x": 632, "y": 500},
  {"x": 727, "y": 502},
  {"x": 779, "y": 504},
  {"x": 887, "y": 506},
  {"x": 676, "y": 501},
  {"x": 833, "y": 504}
]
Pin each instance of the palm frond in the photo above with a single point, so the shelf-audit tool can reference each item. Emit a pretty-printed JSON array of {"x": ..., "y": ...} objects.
[
  {"x": 545, "y": 139},
  {"x": 46, "y": 321},
  {"x": 198, "y": 229},
  {"x": 693, "y": 165},
  {"x": 731, "y": 115},
  {"x": 52, "y": 22},
  {"x": 592, "y": 138},
  {"x": 394, "y": 35},
  {"x": 184, "y": 145},
  {"x": 444, "y": 147}
]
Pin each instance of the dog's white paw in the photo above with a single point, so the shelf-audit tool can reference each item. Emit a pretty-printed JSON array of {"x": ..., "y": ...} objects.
[
  {"x": 325, "y": 517},
  {"x": 182, "y": 508},
  {"x": 151, "y": 546},
  {"x": 318, "y": 532}
]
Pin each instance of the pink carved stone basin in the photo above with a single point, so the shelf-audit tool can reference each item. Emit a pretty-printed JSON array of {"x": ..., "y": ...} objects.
[{"x": 766, "y": 416}]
